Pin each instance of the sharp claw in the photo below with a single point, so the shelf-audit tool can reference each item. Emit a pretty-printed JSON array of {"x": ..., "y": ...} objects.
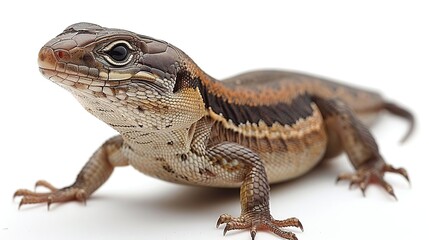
[
  {"x": 406, "y": 178},
  {"x": 224, "y": 218},
  {"x": 363, "y": 185},
  {"x": 18, "y": 193},
  {"x": 300, "y": 226},
  {"x": 389, "y": 190},
  {"x": 253, "y": 232},
  {"x": 392, "y": 193},
  {"x": 81, "y": 196},
  {"x": 227, "y": 228},
  {"x": 338, "y": 180},
  {"x": 405, "y": 175},
  {"x": 394, "y": 196},
  {"x": 409, "y": 181},
  {"x": 341, "y": 177},
  {"x": 219, "y": 222},
  {"x": 363, "y": 191},
  {"x": 21, "y": 203},
  {"x": 49, "y": 202},
  {"x": 15, "y": 194},
  {"x": 36, "y": 185}
]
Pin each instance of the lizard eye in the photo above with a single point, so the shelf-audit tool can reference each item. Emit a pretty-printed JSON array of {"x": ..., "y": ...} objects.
[{"x": 118, "y": 53}]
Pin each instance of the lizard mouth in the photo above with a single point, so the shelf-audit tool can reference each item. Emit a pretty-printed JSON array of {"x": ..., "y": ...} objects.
[{"x": 57, "y": 65}]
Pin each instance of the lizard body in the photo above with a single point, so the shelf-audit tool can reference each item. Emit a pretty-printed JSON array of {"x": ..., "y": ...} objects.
[{"x": 179, "y": 124}]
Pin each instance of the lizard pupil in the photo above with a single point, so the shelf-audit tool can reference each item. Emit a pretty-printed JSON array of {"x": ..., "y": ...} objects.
[{"x": 118, "y": 53}]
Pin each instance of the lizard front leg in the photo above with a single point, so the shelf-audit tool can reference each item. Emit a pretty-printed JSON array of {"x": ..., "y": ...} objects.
[
  {"x": 254, "y": 192},
  {"x": 359, "y": 145},
  {"x": 95, "y": 172}
]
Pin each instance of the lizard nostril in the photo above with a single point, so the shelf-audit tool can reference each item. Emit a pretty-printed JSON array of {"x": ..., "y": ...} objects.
[{"x": 62, "y": 55}]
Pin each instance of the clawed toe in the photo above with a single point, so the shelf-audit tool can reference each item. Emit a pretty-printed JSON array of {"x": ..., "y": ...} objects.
[
  {"x": 43, "y": 183},
  {"x": 366, "y": 175},
  {"x": 259, "y": 222},
  {"x": 55, "y": 195},
  {"x": 290, "y": 222},
  {"x": 400, "y": 171}
]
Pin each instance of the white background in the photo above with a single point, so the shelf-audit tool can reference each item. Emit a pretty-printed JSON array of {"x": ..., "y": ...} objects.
[{"x": 46, "y": 134}]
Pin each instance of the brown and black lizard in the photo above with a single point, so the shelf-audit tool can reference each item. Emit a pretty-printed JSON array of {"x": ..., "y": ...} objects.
[{"x": 179, "y": 124}]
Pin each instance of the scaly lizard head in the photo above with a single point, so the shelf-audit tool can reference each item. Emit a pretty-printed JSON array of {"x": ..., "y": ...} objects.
[{"x": 123, "y": 78}]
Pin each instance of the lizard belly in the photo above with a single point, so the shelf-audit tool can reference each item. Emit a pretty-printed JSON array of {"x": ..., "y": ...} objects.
[
  {"x": 300, "y": 156},
  {"x": 302, "y": 149}
]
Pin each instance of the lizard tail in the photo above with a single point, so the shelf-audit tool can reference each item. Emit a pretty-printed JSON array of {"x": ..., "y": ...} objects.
[{"x": 401, "y": 112}]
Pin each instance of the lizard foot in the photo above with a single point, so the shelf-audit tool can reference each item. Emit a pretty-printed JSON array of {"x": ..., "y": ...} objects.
[
  {"x": 56, "y": 195},
  {"x": 260, "y": 221},
  {"x": 373, "y": 173}
]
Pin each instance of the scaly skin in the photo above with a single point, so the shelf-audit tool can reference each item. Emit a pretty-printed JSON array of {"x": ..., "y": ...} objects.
[{"x": 178, "y": 124}]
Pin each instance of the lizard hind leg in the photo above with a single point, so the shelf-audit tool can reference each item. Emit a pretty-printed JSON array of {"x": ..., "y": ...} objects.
[
  {"x": 359, "y": 145},
  {"x": 254, "y": 195},
  {"x": 96, "y": 171}
]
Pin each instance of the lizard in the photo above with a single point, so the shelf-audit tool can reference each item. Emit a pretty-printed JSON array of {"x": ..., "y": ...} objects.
[{"x": 179, "y": 124}]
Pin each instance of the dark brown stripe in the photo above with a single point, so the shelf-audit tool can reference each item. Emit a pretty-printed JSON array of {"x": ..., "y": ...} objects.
[{"x": 282, "y": 113}]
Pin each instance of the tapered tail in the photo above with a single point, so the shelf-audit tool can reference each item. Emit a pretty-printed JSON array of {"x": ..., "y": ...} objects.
[{"x": 402, "y": 112}]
